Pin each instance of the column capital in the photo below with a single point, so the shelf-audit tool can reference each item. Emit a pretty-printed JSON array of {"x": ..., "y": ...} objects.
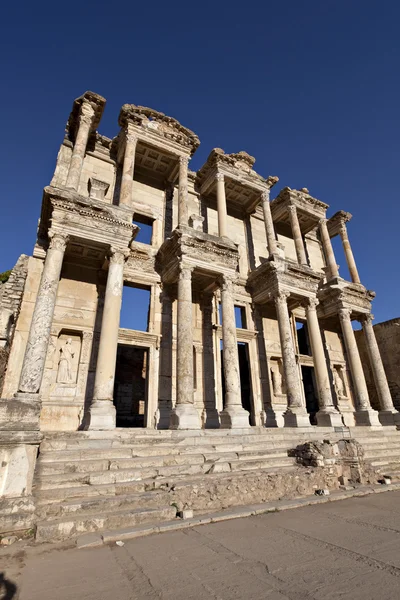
[
  {"x": 219, "y": 176},
  {"x": 184, "y": 161},
  {"x": 344, "y": 314},
  {"x": 280, "y": 296},
  {"x": 87, "y": 113},
  {"x": 368, "y": 318},
  {"x": 265, "y": 195},
  {"x": 185, "y": 271},
  {"x": 117, "y": 256},
  {"x": 310, "y": 303},
  {"x": 292, "y": 209},
  {"x": 130, "y": 136},
  {"x": 58, "y": 241},
  {"x": 226, "y": 283},
  {"x": 323, "y": 221}
]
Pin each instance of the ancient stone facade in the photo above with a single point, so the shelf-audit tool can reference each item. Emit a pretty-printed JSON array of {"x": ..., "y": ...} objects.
[{"x": 249, "y": 321}]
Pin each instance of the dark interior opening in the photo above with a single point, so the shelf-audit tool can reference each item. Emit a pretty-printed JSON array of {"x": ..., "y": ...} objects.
[
  {"x": 245, "y": 376},
  {"x": 130, "y": 386},
  {"x": 310, "y": 393},
  {"x": 302, "y": 338}
]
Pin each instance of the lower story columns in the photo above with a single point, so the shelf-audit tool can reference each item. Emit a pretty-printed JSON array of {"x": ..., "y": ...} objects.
[
  {"x": 102, "y": 410},
  {"x": 233, "y": 416},
  {"x": 184, "y": 415},
  {"x": 365, "y": 415},
  {"x": 387, "y": 411},
  {"x": 296, "y": 414}
]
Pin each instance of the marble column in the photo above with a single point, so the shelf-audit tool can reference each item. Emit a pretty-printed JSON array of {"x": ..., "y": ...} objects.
[
  {"x": 42, "y": 318},
  {"x": 387, "y": 411},
  {"x": 327, "y": 415},
  {"x": 297, "y": 237},
  {"x": 221, "y": 206},
  {"x": 351, "y": 263},
  {"x": 364, "y": 414},
  {"x": 268, "y": 223},
  {"x": 183, "y": 218},
  {"x": 234, "y": 416},
  {"x": 128, "y": 166},
  {"x": 296, "y": 414},
  {"x": 332, "y": 270},
  {"x": 184, "y": 415},
  {"x": 102, "y": 410},
  {"x": 81, "y": 140}
]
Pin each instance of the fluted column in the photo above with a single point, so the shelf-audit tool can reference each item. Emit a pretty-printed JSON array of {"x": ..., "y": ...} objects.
[
  {"x": 268, "y": 223},
  {"x": 351, "y": 263},
  {"x": 102, "y": 410},
  {"x": 327, "y": 416},
  {"x": 365, "y": 415},
  {"x": 233, "y": 416},
  {"x": 297, "y": 237},
  {"x": 183, "y": 192},
  {"x": 42, "y": 318},
  {"x": 81, "y": 140},
  {"x": 333, "y": 270},
  {"x": 221, "y": 206},
  {"x": 296, "y": 414},
  {"x": 128, "y": 166},
  {"x": 184, "y": 415},
  {"x": 385, "y": 399}
]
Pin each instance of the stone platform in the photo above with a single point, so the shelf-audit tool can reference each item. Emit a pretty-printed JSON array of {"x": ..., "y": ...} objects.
[{"x": 93, "y": 481}]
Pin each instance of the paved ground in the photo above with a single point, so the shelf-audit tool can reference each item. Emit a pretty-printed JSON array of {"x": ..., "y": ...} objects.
[{"x": 344, "y": 549}]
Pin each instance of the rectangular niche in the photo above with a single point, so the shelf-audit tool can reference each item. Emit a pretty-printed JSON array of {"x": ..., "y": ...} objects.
[{"x": 66, "y": 363}]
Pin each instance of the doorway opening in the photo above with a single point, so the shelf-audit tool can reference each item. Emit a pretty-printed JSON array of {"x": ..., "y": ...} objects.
[
  {"x": 310, "y": 393},
  {"x": 131, "y": 385},
  {"x": 245, "y": 376}
]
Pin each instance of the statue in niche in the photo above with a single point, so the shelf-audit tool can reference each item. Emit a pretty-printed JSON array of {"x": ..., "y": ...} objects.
[
  {"x": 64, "y": 374},
  {"x": 339, "y": 385},
  {"x": 276, "y": 382}
]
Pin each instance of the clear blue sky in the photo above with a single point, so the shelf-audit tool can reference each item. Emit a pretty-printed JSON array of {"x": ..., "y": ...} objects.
[{"x": 310, "y": 88}]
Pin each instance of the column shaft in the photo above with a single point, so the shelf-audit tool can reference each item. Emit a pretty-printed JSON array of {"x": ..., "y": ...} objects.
[
  {"x": 125, "y": 198},
  {"x": 378, "y": 371},
  {"x": 269, "y": 224},
  {"x": 233, "y": 415},
  {"x": 351, "y": 263},
  {"x": 102, "y": 410},
  {"x": 221, "y": 206},
  {"x": 327, "y": 415},
  {"x": 328, "y": 250},
  {"x": 42, "y": 318},
  {"x": 184, "y": 415},
  {"x": 297, "y": 237},
  {"x": 81, "y": 140},
  {"x": 183, "y": 192}
]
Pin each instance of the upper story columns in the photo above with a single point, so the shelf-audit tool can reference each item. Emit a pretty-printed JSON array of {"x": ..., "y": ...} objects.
[
  {"x": 183, "y": 192},
  {"x": 332, "y": 268},
  {"x": 221, "y": 206},
  {"x": 84, "y": 119},
  {"x": 128, "y": 166},
  {"x": 297, "y": 235},
  {"x": 268, "y": 223},
  {"x": 337, "y": 226}
]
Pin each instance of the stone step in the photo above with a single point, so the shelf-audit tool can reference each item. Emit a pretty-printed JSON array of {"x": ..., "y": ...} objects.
[
  {"x": 130, "y": 474},
  {"x": 107, "y": 504},
  {"x": 388, "y": 451},
  {"x": 58, "y": 494},
  {"x": 69, "y": 526}
]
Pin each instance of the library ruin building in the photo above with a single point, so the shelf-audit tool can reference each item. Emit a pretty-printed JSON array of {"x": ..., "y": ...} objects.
[{"x": 245, "y": 382}]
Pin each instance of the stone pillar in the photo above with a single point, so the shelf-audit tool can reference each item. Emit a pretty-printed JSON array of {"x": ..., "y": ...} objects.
[
  {"x": 128, "y": 166},
  {"x": 81, "y": 140},
  {"x": 221, "y": 206},
  {"x": 184, "y": 415},
  {"x": 333, "y": 270},
  {"x": 42, "y": 318},
  {"x": 298, "y": 239},
  {"x": 183, "y": 192},
  {"x": 268, "y": 223},
  {"x": 233, "y": 416},
  {"x": 102, "y": 410},
  {"x": 387, "y": 411},
  {"x": 351, "y": 263},
  {"x": 296, "y": 414},
  {"x": 364, "y": 414},
  {"x": 327, "y": 416}
]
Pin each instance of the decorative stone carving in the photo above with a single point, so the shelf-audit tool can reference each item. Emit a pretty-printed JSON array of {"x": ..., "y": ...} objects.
[
  {"x": 339, "y": 383},
  {"x": 97, "y": 188},
  {"x": 64, "y": 374},
  {"x": 196, "y": 221}
]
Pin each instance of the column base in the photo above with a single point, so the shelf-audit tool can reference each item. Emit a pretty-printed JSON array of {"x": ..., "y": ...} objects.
[
  {"x": 184, "y": 416},
  {"x": 368, "y": 418},
  {"x": 329, "y": 418},
  {"x": 102, "y": 415},
  {"x": 389, "y": 417},
  {"x": 234, "y": 417},
  {"x": 296, "y": 417}
]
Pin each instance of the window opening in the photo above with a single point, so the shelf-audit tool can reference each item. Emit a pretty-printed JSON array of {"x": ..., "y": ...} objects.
[
  {"x": 303, "y": 343},
  {"x": 135, "y": 308},
  {"x": 145, "y": 234}
]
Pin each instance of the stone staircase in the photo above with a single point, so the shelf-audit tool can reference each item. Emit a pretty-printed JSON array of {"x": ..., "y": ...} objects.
[{"x": 96, "y": 481}]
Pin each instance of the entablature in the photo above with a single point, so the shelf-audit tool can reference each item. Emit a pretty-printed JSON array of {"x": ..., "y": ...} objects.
[
  {"x": 309, "y": 209},
  {"x": 335, "y": 223}
]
